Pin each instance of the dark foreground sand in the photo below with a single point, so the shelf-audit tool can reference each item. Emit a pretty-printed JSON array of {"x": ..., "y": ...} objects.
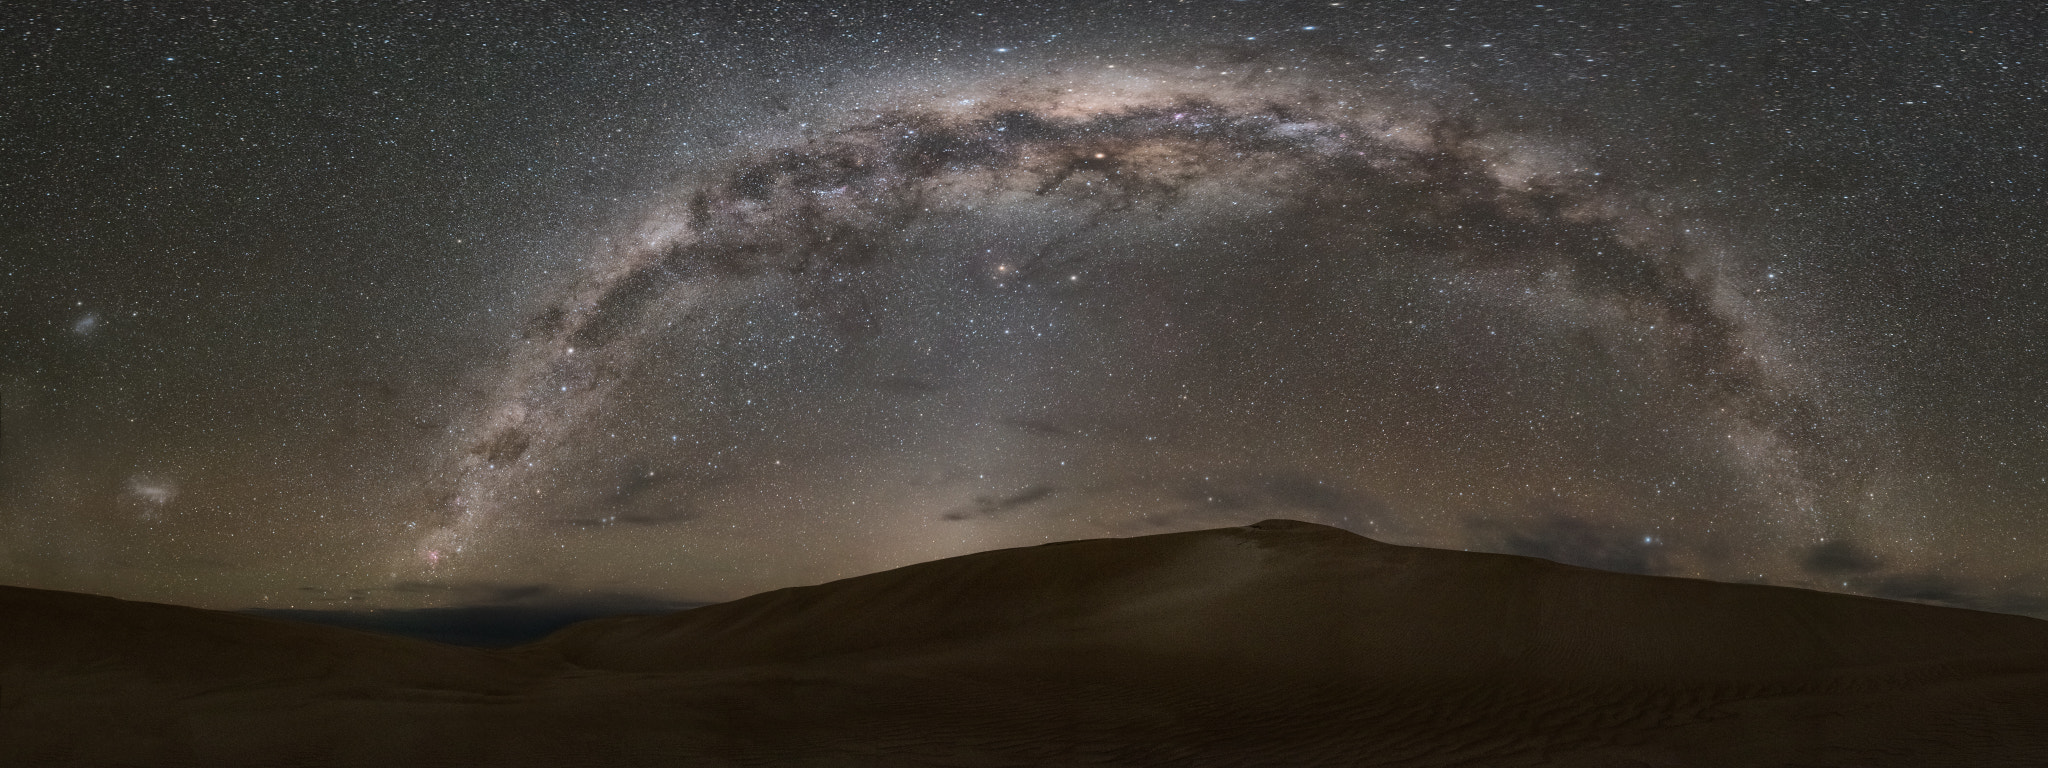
[{"x": 1279, "y": 644}]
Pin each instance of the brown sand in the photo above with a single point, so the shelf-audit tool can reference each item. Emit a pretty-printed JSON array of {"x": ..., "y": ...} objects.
[{"x": 1282, "y": 644}]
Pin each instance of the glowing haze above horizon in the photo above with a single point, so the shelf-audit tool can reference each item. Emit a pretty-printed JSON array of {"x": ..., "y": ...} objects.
[{"x": 353, "y": 306}]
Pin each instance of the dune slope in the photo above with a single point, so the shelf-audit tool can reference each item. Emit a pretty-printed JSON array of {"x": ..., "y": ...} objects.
[{"x": 1280, "y": 643}]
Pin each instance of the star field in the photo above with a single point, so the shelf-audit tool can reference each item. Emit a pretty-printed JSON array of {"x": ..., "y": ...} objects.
[{"x": 350, "y": 306}]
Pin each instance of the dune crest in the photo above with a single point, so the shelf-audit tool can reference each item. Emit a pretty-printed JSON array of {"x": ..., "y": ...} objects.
[{"x": 1280, "y": 643}]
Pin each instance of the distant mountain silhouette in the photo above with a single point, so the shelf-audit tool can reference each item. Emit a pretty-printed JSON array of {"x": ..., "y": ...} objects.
[
  {"x": 1280, "y": 643},
  {"x": 479, "y": 626}
]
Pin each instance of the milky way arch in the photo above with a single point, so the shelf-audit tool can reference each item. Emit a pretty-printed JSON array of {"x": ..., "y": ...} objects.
[{"x": 828, "y": 205}]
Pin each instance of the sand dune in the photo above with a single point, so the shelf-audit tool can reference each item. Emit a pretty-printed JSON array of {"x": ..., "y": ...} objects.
[{"x": 1282, "y": 643}]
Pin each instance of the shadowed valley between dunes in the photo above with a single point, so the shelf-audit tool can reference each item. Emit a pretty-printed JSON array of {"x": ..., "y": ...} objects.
[{"x": 1281, "y": 643}]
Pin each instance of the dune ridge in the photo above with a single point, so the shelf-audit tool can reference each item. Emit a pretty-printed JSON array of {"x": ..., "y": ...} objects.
[{"x": 1279, "y": 643}]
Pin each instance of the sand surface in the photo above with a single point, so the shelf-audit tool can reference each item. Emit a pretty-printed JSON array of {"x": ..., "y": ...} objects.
[{"x": 1280, "y": 644}]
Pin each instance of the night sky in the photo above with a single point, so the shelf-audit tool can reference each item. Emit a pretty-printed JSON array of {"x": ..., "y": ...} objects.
[{"x": 339, "y": 305}]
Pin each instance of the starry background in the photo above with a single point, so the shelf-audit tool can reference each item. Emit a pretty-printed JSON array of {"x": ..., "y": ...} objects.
[{"x": 292, "y": 294}]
